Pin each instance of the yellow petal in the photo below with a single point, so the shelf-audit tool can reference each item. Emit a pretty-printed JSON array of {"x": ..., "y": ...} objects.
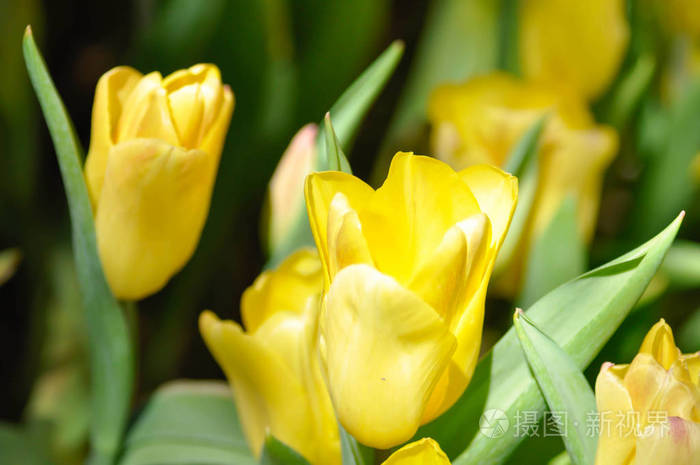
[
  {"x": 212, "y": 142},
  {"x": 644, "y": 380},
  {"x": 675, "y": 442},
  {"x": 659, "y": 343},
  {"x": 146, "y": 113},
  {"x": 385, "y": 350},
  {"x": 616, "y": 446},
  {"x": 320, "y": 189},
  {"x": 195, "y": 97},
  {"x": 346, "y": 244},
  {"x": 287, "y": 289},
  {"x": 692, "y": 361},
  {"x": 575, "y": 44},
  {"x": 422, "y": 452},
  {"x": 496, "y": 192},
  {"x": 113, "y": 89},
  {"x": 407, "y": 217},
  {"x": 270, "y": 391},
  {"x": 151, "y": 211}
]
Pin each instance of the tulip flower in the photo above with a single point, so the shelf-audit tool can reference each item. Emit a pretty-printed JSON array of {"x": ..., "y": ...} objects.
[
  {"x": 481, "y": 120},
  {"x": 273, "y": 367},
  {"x": 150, "y": 171},
  {"x": 286, "y": 190},
  {"x": 422, "y": 452},
  {"x": 406, "y": 269},
  {"x": 650, "y": 409},
  {"x": 579, "y": 45}
]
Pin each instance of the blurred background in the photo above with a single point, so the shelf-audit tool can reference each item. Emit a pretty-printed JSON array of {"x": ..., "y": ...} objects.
[{"x": 287, "y": 61}]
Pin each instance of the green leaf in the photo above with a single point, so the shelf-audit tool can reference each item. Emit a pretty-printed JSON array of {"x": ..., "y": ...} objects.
[
  {"x": 580, "y": 316},
  {"x": 275, "y": 452},
  {"x": 110, "y": 345},
  {"x": 523, "y": 154},
  {"x": 563, "y": 386},
  {"x": 350, "y": 109},
  {"x": 353, "y": 452},
  {"x": 337, "y": 161},
  {"x": 347, "y": 112},
  {"x": 629, "y": 91},
  {"x": 188, "y": 422},
  {"x": 561, "y": 459},
  {"x": 523, "y": 163},
  {"x": 557, "y": 255},
  {"x": 9, "y": 261},
  {"x": 666, "y": 184}
]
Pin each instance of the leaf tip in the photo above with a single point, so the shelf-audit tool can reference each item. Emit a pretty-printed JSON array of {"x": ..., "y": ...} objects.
[
  {"x": 28, "y": 31},
  {"x": 517, "y": 314}
]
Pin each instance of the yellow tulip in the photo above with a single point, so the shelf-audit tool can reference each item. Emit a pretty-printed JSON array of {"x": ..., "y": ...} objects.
[
  {"x": 273, "y": 366},
  {"x": 422, "y": 452},
  {"x": 406, "y": 270},
  {"x": 577, "y": 45},
  {"x": 481, "y": 120},
  {"x": 286, "y": 189},
  {"x": 154, "y": 153},
  {"x": 650, "y": 409}
]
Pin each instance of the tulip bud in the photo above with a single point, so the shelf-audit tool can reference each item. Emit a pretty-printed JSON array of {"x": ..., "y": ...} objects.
[
  {"x": 150, "y": 170},
  {"x": 406, "y": 269},
  {"x": 579, "y": 45},
  {"x": 286, "y": 189},
  {"x": 422, "y": 452},
  {"x": 650, "y": 409},
  {"x": 273, "y": 366},
  {"x": 481, "y": 121}
]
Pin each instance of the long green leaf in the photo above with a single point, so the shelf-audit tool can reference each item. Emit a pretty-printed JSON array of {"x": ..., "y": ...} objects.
[
  {"x": 352, "y": 106},
  {"x": 563, "y": 386},
  {"x": 557, "y": 255},
  {"x": 523, "y": 163},
  {"x": 188, "y": 422},
  {"x": 110, "y": 345},
  {"x": 275, "y": 452},
  {"x": 347, "y": 113},
  {"x": 580, "y": 316}
]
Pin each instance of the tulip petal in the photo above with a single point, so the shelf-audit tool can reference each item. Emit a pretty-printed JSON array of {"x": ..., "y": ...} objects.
[
  {"x": 420, "y": 200},
  {"x": 151, "y": 211},
  {"x": 659, "y": 343},
  {"x": 320, "y": 189},
  {"x": 497, "y": 193},
  {"x": 674, "y": 442},
  {"x": 112, "y": 91},
  {"x": 385, "y": 350},
  {"x": 213, "y": 141},
  {"x": 266, "y": 391},
  {"x": 616, "y": 441},
  {"x": 346, "y": 244},
  {"x": 286, "y": 289},
  {"x": 146, "y": 113},
  {"x": 422, "y": 452}
]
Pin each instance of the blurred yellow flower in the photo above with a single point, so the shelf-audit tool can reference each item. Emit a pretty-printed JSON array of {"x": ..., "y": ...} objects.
[
  {"x": 286, "y": 189},
  {"x": 273, "y": 366},
  {"x": 683, "y": 16},
  {"x": 650, "y": 409},
  {"x": 481, "y": 120},
  {"x": 577, "y": 45},
  {"x": 422, "y": 452},
  {"x": 150, "y": 170},
  {"x": 406, "y": 270}
]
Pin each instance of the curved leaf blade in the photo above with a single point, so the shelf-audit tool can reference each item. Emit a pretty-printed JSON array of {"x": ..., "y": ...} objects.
[
  {"x": 563, "y": 386},
  {"x": 192, "y": 422},
  {"x": 111, "y": 351},
  {"x": 275, "y": 452}
]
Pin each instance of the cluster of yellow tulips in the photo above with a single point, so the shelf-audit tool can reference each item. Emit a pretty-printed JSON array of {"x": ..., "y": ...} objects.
[
  {"x": 377, "y": 330},
  {"x": 393, "y": 295}
]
